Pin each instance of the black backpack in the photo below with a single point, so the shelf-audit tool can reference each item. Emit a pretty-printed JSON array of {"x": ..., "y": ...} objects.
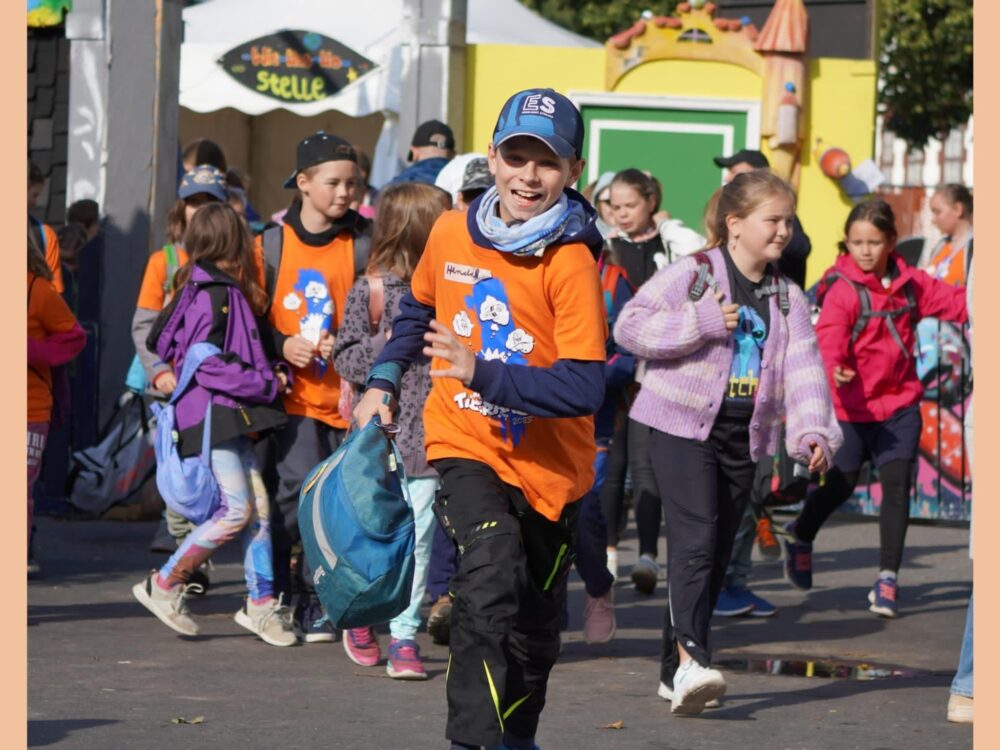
[
  {"x": 867, "y": 313},
  {"x": 704, "y": 279}
]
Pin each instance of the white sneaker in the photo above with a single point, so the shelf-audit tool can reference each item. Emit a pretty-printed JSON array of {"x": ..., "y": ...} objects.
[
  {"x": 613, "y": 563},
  {"x": 667, "y": 693},
  {"x": 645, "y": 573},
  {"x": 168, "y": 605},
  {"x": 270, "y": 621},
  {"x": 694, "y": 687}
]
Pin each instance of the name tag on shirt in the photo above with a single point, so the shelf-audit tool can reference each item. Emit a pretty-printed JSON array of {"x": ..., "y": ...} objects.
[{"x": 465, "y": 274}]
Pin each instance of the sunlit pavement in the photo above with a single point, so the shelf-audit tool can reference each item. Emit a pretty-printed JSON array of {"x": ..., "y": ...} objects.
[{"x": 103, "y": 673}]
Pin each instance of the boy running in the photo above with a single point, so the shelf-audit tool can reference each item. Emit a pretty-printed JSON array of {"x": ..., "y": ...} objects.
[{"x": 507, "y": 302}]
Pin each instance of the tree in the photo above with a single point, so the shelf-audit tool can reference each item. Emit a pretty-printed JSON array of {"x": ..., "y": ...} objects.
[
  {"x": 926, "y": 67},
  {"x": 598, "y": 19}
]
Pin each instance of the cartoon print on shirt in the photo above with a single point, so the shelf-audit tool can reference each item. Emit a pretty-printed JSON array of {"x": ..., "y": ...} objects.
[
  {"x": 744, "y": 374},
  {"x": 500, "y": 339},
  {"x": 462, "y": 325},
  {"x": 312, "y": 298}
]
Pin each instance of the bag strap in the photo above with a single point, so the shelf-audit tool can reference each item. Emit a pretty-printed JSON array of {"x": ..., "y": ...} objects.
[
  {"x": 197, "y": 354},
  {"x": 40, "y": 226},
  {"x": 703, "y": 277},
  {"x": 206, "y": 436},
  {"x": 362, "y": 249},
  {"x": 777, "y": 286},
  {"x": 271, "y": 242},
  {"x": 170, "y": 251},
  {"x": 376, "y": 301}
]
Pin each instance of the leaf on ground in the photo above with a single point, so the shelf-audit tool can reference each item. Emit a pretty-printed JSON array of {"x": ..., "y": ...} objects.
[
  {"x": 182, "y": 720},
  {"x": 614, "y": 725}
]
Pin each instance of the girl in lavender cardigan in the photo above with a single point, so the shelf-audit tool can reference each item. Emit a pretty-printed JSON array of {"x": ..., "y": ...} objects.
[{"x": 723, "y": 368}]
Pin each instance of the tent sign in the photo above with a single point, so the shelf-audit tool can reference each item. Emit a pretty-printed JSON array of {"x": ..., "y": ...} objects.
[{"x": 295, "y": 66}]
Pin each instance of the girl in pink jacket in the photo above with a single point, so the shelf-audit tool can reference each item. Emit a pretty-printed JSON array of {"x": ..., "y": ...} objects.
[{"x": 872, "y": 302}]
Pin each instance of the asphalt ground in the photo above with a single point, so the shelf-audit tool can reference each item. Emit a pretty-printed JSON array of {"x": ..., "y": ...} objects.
[{"x": 104, "y": 673}]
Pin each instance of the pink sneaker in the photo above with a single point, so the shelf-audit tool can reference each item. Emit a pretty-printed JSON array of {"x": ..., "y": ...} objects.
[
  {"x": 362, "y": 646},
  {"x": 404, "y": 661},
  {"x": 599, "y": 618}
]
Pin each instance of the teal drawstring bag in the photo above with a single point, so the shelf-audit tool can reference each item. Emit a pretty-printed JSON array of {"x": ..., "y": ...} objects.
[{"x": 356, "y": 522}]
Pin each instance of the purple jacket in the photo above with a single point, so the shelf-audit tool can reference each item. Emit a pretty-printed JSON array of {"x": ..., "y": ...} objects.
[
  {"x": 689, "y": 351},
  {"x": 240, "y": 382}
]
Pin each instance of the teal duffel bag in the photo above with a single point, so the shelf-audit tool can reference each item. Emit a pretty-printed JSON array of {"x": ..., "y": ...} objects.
[{"x": 356, "y": 522}]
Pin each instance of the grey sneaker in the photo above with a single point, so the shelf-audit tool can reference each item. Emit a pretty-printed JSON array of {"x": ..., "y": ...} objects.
[
  {"x": 169, "y": 606},
  {"x": 645, "y": 573},
  {"x": 271, "y": 622}
]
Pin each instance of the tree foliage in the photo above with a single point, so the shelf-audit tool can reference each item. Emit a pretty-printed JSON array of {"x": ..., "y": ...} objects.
[
  {"x": 598, "y": 19},
  {"x": 926, "y": 67}
]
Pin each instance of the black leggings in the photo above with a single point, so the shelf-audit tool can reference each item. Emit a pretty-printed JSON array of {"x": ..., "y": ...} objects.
[
  {"x": 894, "y": 517},
  {"x": 645, "y": 493},
  {"x": 612, "y": 492}
]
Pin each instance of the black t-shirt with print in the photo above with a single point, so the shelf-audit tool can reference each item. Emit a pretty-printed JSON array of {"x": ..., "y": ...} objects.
[{"x": 749, "y": 338}]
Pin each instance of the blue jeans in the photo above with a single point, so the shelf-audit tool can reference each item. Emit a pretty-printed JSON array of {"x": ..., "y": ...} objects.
[
  {"x": 962, "y": 684},
  {"x": 404, "y": 625},
  {"x": 592, "y": 534}
]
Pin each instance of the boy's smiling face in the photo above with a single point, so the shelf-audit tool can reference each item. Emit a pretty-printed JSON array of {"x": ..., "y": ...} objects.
[{"x": 530, "y": 177}]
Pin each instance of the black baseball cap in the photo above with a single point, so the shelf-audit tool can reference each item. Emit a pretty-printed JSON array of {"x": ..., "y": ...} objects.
[
  {"x": 318, "y": 148},
  {"x": 433, "y": 133},
  {"x": 755, "y": 159}
]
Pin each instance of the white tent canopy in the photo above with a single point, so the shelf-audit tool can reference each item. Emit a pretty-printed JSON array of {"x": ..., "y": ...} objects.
[{"x": 373, "y": 28}]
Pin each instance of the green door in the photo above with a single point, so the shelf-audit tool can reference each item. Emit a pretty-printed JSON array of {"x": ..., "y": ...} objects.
[{"x": 676, "y": 145}]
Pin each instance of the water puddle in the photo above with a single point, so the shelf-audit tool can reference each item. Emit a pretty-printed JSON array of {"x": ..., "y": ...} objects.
[{"x": 834, "y": 670}]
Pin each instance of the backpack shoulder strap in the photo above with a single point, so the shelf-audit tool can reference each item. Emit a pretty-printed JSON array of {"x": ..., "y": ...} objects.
[
  {"x": 197, "y": 354},
  {"x": 610, "y": 274},
  {"x": 865, "y": 301},
  {"x": 170, "y": 251},
  {"x": 362, "y": 249},
  {"x": 376, "y": 301},
  {"x": 271, "y": 242},
  {"x": 703, "y": 277}
]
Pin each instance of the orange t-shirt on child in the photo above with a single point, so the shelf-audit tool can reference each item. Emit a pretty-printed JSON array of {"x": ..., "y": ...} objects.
[
  {"x": 47, "y": 314},
  {"x": 152, "y": 294},
  {"x": 309, "y": 295},
  {"x": 524, "y": 311},
  {"x": 948, "y": 265}
]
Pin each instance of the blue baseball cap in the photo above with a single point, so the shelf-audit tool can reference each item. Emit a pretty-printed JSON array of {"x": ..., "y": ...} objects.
[
  {"x": 543, "y": 114},
  {"x": 203, "y": 179}
]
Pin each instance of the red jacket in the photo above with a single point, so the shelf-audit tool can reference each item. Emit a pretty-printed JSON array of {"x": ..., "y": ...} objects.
[{"x": 886, "y": 379}]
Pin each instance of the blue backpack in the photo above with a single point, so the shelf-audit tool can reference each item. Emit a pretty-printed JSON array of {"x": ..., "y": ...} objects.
[
  {"x": 356, "y": 522},
  {"x": 187, "y": 485}
]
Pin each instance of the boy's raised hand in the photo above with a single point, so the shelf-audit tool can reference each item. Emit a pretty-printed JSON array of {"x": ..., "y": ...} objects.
[
  {"x": 730, "y": 313},
  {"x": 444, "y": 344},
  {"x": 298, "y": 351},
  {"x": 375, "y": 401}
]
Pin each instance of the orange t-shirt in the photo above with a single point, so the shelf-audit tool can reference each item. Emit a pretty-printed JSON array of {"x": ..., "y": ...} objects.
[
  {"x": 152, "y": 293},
  {"x": 524, "y": 311},
  {"x": 948, "y": 265},
  {"x": 52, "y": 257},
  {"x": 47, "y": 314},
  {"x": 309, "y": 295}
]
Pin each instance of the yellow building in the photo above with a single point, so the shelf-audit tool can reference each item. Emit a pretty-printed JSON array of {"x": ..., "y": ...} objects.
[{"x": 670, "y": 93}]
